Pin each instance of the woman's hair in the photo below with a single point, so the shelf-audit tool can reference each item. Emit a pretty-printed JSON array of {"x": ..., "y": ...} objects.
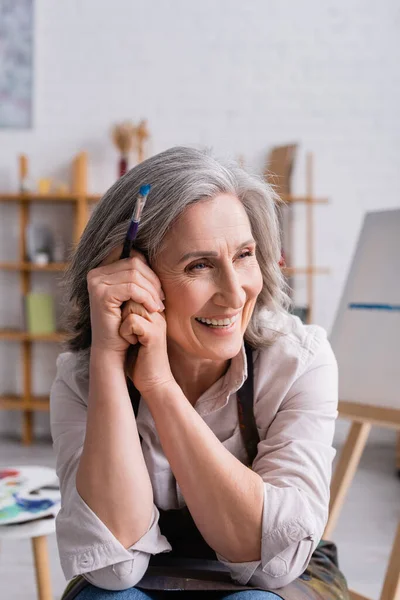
[{"x": 179, "y": 177}]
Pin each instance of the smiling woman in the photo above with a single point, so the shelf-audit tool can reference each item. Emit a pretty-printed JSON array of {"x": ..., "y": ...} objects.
[
  {"x": 221, "y": 284},
  {"x": 180, "y": 178},
  {"x": 174, "y": 332}
]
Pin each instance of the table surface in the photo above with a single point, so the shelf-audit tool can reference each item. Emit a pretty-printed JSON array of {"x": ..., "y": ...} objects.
[
  {"x": 34, "y": 478},
  {"x": 29, "y": 529}
]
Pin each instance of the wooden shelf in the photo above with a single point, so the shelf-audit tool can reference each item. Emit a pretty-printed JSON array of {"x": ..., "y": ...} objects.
[
  {"x": 278, "y": 173},
  {"x": 80, "y": 203},
  {"x": 11, "y": 402},
  {"x": 28, "y": 266},
  {"x": 18, "y": 335},
  {"x": 48, "y": 197}
]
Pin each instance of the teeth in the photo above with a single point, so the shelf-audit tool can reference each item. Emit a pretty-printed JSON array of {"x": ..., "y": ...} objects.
[{"x": 218, "y": 322}]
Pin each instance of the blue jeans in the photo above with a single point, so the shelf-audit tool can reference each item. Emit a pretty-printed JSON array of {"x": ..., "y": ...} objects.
[{"x": 94, "y": 593}]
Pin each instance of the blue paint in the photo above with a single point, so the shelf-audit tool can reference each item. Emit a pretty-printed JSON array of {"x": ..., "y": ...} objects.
[
  {"x": 388, "y": 307},
  {"x": 33, "y": 504},
  {"x": 144, "y": 190}
]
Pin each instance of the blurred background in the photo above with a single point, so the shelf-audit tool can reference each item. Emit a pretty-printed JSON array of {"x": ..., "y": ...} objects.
[{"x": 305, "y": 94}]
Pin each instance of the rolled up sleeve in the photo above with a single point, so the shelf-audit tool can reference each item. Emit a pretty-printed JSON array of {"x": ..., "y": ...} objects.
[
  {"x": 295, "y": 463},
  {"x": 86, "y": 546}
]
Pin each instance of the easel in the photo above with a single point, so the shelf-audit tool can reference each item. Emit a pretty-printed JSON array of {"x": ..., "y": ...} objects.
[
  {"x": 363, "y": 418},
  {"x": 368, "y": 309}
]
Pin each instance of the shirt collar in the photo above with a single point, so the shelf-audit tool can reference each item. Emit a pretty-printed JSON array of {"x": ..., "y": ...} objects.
[{"x": 218, "y": 394}]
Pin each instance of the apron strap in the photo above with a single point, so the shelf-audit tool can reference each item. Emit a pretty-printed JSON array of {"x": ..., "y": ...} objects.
[{"x": 245, "y": 397}]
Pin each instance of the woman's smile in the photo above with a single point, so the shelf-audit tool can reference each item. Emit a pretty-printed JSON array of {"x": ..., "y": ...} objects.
[{"x": 221, "y": 326}]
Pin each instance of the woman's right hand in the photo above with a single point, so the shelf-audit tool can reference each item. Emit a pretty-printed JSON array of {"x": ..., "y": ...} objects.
[{"x": 110, "y": 285}]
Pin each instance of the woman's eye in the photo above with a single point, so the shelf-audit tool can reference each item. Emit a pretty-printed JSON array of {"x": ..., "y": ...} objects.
[
  {"x": 197, "y": 266},
  {"x": 246, "y": 254},
  {"x": 202, "y": 265}
]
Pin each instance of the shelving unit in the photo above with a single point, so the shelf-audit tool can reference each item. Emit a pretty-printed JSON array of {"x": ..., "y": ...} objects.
[
  {"x": 27, "y": 403},
  {"x": 279, "y": 171}
]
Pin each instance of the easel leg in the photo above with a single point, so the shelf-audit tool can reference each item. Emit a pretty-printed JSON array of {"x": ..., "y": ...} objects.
[{"x": 345, "y": 471}]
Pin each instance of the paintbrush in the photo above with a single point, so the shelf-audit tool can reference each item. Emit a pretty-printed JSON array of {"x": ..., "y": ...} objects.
[{"x": 135, "y": 220}]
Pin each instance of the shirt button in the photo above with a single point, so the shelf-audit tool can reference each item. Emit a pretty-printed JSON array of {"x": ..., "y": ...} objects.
[
  {"x": 293, "y": 533},
  {"x": 86, "y": 561}
]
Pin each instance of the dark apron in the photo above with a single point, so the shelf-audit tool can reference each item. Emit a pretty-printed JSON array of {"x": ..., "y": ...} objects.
[{"x": 193, "y": 565}]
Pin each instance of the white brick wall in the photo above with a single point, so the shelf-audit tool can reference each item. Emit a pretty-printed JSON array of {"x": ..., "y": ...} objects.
[{"x": 237, "y": 76}]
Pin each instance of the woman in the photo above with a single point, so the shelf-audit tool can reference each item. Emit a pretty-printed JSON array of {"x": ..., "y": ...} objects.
[{"x": 147, "y": 492}]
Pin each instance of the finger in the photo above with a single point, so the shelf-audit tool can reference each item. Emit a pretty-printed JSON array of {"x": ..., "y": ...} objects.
[
  {"x": 136, "y": 262},
  {"x": 142, "y": 281},
  {"x": 131, "y": 307},
  {"x": 128, "y": 277},
  {"x": 139, "y": 326},
  {"x": 114, "y": 296},
  {"x": 135, "y": 278},
  {"x": 132, "y": 327},
  {"x": 132, "y": 339},
  {"x": 139, "y": 295}
]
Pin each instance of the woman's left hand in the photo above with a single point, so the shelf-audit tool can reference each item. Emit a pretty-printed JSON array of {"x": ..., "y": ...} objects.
[{"x": 147, "y": 362}]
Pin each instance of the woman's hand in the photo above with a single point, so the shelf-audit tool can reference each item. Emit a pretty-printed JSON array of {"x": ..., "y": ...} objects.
[
  {"x": 130, "y": 281},
  {"x": 147, "y": 362}
]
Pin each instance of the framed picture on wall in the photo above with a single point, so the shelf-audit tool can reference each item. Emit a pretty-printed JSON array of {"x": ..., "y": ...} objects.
[{"x": 16, "y": 63}]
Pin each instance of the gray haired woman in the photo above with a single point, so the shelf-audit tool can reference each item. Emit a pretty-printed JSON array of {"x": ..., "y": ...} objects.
[{"x": 183, "y": 368}]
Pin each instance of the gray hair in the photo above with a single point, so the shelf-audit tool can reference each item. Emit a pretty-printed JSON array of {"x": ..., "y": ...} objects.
[{"x": 179, "y": 177}]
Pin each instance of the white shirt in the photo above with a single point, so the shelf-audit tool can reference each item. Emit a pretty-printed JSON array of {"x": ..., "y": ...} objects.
[{"x": 295, "y": 407}]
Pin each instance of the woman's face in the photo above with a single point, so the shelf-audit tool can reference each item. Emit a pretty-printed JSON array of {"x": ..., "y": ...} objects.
[{"x": 209, "y": 272}]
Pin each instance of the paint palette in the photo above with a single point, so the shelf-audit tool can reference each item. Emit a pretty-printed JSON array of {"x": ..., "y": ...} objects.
[{"x": 28, "y": 493}]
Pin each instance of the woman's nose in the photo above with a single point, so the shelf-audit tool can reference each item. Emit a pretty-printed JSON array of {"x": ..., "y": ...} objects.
[{"x": 231, "y": 292}]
